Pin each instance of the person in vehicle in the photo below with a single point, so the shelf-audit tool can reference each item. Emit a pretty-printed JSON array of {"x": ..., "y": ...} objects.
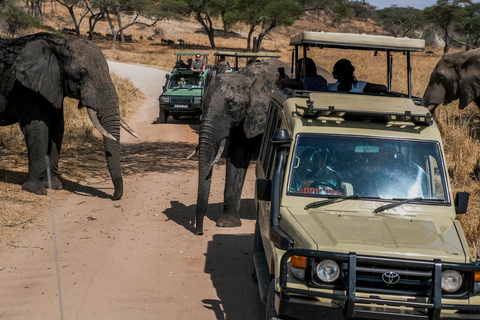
[
  {"x": 344, "y": 72},
  {"x": 313, "y": 81},
  {"x": 222, "y": 65},
  {"x": 198, "y": 64},
  {"x": 312, "y": 174}
]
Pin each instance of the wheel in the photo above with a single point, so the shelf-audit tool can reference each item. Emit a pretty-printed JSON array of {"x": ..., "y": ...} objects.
[
  {"x": 271, "y": 312},
  {"x": 162, "y": 118}
]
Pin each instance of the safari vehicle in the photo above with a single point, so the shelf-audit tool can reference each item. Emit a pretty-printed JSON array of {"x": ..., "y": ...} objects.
[
  {"x": 234, "y": 57},
  {"x": 356, "y": 218},
  {"x": 183, "y": 90}
]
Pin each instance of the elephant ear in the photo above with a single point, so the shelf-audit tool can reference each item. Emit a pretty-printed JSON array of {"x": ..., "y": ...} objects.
[
  {"x": 38, "y": 68},
  {"x": 469, "y": 84},
  {"x": 256, "y": 112}
]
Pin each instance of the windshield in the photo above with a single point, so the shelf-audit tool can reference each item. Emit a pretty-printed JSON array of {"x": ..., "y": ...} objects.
[
  {"x": 185, "y": 81},
  {"x": 325, "y": 165}
]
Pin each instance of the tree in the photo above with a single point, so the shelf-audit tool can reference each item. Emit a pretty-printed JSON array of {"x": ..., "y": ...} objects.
[
  {"x": 443, "y": 15},
  {"x": 399, "y": 20},
  {"x": 204, "y": 11},
  {"x": 71, "y": 5},
  {"x": 135, "y": 9},
  {"x": 16, "y": 20},
  {"x": 468, "y": 25},
  {"x": 265, "y": 15}
]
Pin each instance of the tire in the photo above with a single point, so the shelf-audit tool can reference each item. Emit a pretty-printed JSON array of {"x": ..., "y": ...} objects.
[
  {"x": 162, "y": 117},
  {"x": 271, "y": 313}
]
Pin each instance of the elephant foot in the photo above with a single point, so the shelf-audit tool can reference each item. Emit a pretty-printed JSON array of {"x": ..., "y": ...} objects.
[
  {"x": 198, "y": 231},
  {"x": 56, "y": 184},
  {"x": 229, "y": 221},
  {"x": 36, "y": 187}
]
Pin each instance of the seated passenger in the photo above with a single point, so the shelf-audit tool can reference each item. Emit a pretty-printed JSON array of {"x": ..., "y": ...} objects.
[
  {"x": 313, "y": 175},
  {"x": 313, "y": 81},
  {"x": 343, "y": 71}
]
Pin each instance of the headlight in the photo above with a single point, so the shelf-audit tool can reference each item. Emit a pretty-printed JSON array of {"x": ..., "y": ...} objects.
[
  {"x": 451, "y": 280},
  {"x": 197, "y": 100},
  {"x": 328, "y": 270},
  {"x": 164, "y": 99}
]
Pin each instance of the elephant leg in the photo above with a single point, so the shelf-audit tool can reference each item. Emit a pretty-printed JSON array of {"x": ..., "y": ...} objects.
[
  {"x": 239, "y": 155},
  {"x": 56, "y": 131},
  {"x": 36, "y": 138}
]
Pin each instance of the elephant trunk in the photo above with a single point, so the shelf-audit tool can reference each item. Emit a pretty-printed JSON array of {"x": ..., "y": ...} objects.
[
  {"x": 211, "y": 137},
  {"x": 108, "y": 122}
]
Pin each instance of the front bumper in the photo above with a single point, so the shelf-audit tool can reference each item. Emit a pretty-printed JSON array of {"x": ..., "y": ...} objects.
[
  {"x": 355, "y": 301},
  {"x": 183, "y": 109}
]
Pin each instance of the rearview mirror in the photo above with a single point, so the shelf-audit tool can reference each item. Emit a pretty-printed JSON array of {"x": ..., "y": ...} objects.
[
  {"x": 264, "y": 189},
  {"x": 461, "y": 202}
]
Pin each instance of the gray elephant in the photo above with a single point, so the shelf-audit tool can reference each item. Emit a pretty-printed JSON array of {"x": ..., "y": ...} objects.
[
  {"x": 36, "y": 73},
  {"x": 234, "y": 115},
  {"x": 456, "y": 76}
]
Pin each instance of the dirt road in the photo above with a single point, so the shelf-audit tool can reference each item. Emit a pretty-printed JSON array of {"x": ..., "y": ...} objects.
[{"x": 137, "y": 258}]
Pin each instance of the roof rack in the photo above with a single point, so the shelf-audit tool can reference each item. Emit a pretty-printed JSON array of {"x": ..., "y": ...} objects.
[{"x": 423, "y": 118}]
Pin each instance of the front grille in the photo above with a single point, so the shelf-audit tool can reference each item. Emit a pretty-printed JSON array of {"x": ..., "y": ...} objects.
[
  {"x": 180, "y": 99},
  {"x": 393, "y": 280}
]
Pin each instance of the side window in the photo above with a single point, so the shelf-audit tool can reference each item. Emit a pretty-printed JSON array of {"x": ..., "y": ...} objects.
[{"x": 266, "y": 156}]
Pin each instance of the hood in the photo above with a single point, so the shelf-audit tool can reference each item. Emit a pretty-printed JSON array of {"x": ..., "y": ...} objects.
[{"x": 384, "y": 235}]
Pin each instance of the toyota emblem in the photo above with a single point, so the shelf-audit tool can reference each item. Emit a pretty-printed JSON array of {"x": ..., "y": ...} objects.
[{"x": 390, "y": 277}]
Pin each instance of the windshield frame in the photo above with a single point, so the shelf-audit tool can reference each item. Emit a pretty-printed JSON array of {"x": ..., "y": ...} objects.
[{"x": 384, "y": 139}]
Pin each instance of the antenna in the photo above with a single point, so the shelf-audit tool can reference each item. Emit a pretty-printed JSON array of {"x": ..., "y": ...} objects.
[{"x": 54, "y": 232}]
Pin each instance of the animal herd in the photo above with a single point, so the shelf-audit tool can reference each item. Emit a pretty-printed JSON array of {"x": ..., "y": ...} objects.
[{"x": 38, "y": 71}]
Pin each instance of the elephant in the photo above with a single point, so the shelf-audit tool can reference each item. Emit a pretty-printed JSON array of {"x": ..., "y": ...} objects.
[
  {"x": 456, "y": 76},
  {"x": 235, "y": 106},
  {"x": 36, "y": 73}
]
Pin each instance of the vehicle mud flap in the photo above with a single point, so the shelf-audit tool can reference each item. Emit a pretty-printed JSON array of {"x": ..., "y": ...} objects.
[
  {"x": 271, "y": 313},
  {"x": 260, "y": 266}
]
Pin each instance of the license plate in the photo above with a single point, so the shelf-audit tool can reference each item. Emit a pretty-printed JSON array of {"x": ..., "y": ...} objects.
[{"x": 180, "y": 106}]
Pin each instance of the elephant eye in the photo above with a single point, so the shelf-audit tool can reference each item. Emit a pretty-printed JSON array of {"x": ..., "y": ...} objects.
[{"x": 82, "y": 73}]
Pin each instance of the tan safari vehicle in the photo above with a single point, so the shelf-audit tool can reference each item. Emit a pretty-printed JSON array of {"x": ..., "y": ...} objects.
[{"x": 356, "y": 218}]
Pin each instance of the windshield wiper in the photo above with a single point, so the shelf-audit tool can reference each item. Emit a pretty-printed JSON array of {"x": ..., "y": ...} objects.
[
  {"x": 396, "y": 204},
  {"x": 330, "y": 200}
]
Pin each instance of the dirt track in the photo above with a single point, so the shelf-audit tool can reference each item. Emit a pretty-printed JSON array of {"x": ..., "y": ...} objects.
[{"x": 137, "y": 258}]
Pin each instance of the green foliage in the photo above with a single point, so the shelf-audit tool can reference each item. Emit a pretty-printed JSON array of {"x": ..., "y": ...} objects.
[
  {"x": 399, "y": 20},
  {"x": 467, "y": 25},
  {"x": 16, "y": 20}
]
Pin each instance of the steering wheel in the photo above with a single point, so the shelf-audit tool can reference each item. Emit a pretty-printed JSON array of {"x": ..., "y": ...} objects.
[{"x": 322, "y": 184}]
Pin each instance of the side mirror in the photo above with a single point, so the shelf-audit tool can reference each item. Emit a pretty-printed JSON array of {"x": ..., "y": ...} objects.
[
  {"x": 264, "y": 189},
  {"x": 164, "y": 88},
  {"x": 167, "y": 76},
  {"x": 461, "y": 202}
]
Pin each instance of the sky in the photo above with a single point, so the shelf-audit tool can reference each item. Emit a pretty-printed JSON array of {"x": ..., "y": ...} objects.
[{"x": 419, "y": 4}]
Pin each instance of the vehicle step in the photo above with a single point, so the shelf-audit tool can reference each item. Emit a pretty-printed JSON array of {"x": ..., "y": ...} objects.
[{"x": 263, "y": 275}]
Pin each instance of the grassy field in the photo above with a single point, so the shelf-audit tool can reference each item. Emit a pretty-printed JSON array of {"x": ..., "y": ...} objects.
[{"x": 459, "y": 128}]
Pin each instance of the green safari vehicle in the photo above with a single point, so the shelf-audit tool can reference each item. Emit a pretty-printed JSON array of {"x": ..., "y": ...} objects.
[{"x": 183, "y": 90}]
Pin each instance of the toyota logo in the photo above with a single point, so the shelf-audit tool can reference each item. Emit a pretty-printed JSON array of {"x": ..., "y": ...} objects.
[{"x": 390, "y": 277}]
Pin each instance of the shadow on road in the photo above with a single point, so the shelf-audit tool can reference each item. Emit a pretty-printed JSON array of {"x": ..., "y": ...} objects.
[
  {"x": 230, "y": 264},
  {"x": 185, "y": 215}
]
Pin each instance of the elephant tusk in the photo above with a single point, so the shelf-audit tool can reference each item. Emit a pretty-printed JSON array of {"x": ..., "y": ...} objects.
[
  {"x": 219, "y": 153},
  {"x": 194, "y": 152},
  {"x": 128, "y": 129},
  {"x": 96, "y": 123}
]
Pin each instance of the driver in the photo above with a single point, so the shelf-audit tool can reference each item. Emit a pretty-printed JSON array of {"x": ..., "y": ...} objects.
[{"x": 312, "y": 174}]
